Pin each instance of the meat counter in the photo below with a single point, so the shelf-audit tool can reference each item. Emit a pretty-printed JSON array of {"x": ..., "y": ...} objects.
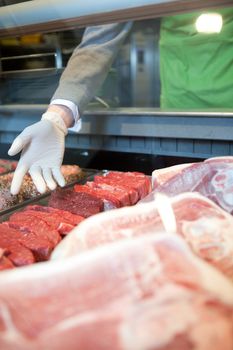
[{"x": 123, "y": 276}]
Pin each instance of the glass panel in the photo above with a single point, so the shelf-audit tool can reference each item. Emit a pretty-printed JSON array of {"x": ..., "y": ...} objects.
[{"x": 164, "y": 63}]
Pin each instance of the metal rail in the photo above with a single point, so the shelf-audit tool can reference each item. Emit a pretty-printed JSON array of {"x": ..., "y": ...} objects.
[{"x": 53, "y": 15}]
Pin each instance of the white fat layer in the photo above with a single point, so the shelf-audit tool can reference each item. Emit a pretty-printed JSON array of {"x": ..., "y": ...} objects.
[{"x": 165, "y": 210}]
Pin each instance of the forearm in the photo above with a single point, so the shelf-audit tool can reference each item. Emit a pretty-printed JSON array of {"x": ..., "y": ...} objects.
[{"x": 90, "y": 63}]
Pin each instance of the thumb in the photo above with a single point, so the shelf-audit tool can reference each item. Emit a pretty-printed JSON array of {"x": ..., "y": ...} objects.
[{"x": 18, "y": 144}]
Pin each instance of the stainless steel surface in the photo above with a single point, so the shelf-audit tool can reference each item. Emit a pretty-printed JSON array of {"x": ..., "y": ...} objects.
[
  {"x": 34, "y": 16},
  {"x": 34, "y": 55},
  {"x": 131, "y": 111},
  {"x": 29, "y": 60}
]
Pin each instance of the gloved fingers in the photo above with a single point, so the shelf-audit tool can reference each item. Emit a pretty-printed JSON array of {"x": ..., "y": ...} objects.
[
  {"x": 20, "y": 142},
  {"x": 37, "y": 178},
  {"x": 47, "y": 175},
  {"x": 57, "y": 174},
  {"x": 18, "y": 178}
]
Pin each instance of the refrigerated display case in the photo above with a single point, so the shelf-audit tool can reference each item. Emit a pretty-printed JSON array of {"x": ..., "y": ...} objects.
[{"x": 125, "y": 117}]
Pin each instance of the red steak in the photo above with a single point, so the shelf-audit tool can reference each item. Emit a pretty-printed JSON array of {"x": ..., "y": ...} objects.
[
  {"x": 36, "y": 225},
  {"x": 78, "y": 203},
  {"x": 56, "y": 219},
  {"x": 16, "y": 250}
]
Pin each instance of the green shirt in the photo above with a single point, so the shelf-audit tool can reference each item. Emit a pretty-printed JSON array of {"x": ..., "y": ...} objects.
[{"x": 196, "y": 69}]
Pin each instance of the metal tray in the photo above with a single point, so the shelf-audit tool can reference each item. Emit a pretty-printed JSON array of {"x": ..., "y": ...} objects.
[{"x": 44, "y": 198}]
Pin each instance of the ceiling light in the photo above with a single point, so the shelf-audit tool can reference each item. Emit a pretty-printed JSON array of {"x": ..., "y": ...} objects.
[{"x": 209, "y": 23}]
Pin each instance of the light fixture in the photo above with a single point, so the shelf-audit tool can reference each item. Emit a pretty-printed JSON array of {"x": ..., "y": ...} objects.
[{"x": 209, "y": 23}]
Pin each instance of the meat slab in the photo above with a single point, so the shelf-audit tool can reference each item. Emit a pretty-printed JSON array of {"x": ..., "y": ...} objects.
[
  {"x": 206, "y": 227},
  {"x": 60, "y": 220},
  {"x": 137, "y": 184},
  {"x": 78, "y": 203},
  {"x": 15, "y": 246},
  {"x": 112, "y": 196},
  {"x": 213, "y": 178},
  {"x": 35, "y": 224},
  {"x": 147, "y": 293}
]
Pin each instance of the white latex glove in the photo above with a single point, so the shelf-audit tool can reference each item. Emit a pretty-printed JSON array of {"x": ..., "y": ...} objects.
[{"x": 42, "y": 145}]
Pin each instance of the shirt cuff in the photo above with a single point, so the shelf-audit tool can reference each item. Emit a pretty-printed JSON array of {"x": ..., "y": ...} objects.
[{"x": 74, "y": 109}]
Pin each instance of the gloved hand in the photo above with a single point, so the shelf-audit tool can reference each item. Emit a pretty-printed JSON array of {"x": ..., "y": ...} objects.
[{"x": 42, "y": 145}]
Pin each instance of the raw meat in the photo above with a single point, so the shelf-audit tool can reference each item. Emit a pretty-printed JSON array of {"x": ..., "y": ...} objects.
[
  {"x": 65, "y": 215},
  {"x": 131, "y": 192},
  {"x": 213, "y": 178},
  {"x": 31, "y": 223},
  {"x": 205, "y": 226},
  {"x": 133, "y": 181},
  {"x": 77, "y": 203},
  {"x": 37, "y": 243},
  {"x": 5, "y": 263},
  {"x": 15, "y": 249},
  {"x": 146, "y": 293},
  {"x": 112, "y": 196},
  {"x": 61, "y": 221}
]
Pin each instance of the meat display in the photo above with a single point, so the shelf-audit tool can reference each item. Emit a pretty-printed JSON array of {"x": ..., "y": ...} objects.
[
  {"x": 28, "y": 190},
  {"x": 40, "y": 228},
  {"x": 146, "y": 293},
  {"x": 213, "y": 178},
  {"x": 205, "y": 226},
  {"x": 140, "y": 277},
  {"x": 117, "y": 189}
]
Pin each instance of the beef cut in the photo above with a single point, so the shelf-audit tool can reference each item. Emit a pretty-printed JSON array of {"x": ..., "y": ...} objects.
[
  {"x": 112, "y": 196},
  {"x": 38, "y": 229},
  {"x": 15, "y": 246},
  {"x": 32, "y": 223},
  {"x": 137, "y": 183},
  {"x": 105, "y": 182},
  {"x": 5, "y": 263},
  {"x": 61, "y": 221},
  {"x": 205, "y": 226},
  {"x": 213, "y": 178},
  {"x": 37, "y": 243},
  {"x": 78, "y": 203},
  {"x": 146, "y": 293}
]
